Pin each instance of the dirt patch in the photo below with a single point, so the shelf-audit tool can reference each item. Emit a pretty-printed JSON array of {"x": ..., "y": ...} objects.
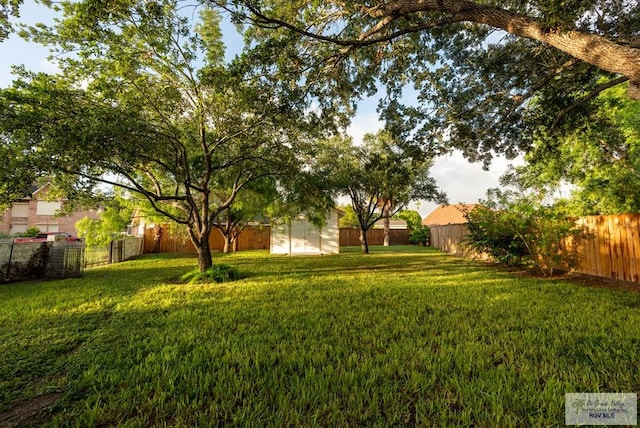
[
  {"x": 577, "y": 278},
  {"x": 595, "y": 281},
  {"x": 29, "y": 412}
]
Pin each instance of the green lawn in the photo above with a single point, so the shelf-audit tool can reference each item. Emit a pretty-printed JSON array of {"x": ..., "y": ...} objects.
[{"x": 405, "y": 336}]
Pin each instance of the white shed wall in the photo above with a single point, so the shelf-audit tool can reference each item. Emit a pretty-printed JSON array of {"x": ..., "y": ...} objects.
[{"x": 280, "y": 242}]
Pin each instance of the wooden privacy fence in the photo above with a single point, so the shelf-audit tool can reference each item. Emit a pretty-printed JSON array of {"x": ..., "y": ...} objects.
[
  {"x": 350, "y": 236},
  {"x": 610, "y": 249},
  {"x": 258, "y": 238},
  {"x": 251, "y": 238},
  {"x": 448, "y": 237}
]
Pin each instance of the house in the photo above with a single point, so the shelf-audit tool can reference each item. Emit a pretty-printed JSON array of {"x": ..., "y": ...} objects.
[
  {"x": 448, "y": 214},
  {"x": 36, "y": 210},
  {"x": 300, "y": 236}
]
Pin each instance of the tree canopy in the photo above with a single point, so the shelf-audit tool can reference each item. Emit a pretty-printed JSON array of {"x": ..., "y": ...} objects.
[
  {"x": 378, "y": 176},
  {"x": 478, "y": 76},
  {"x": 145, "y": 101},
  {"x": 113, "y": 222},
  {"x": 8, "y": 9},
  {"x": 600, "y": 158}
]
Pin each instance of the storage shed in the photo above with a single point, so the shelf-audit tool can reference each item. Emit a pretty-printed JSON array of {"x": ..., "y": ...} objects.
[{"x": 300, "y": 236}]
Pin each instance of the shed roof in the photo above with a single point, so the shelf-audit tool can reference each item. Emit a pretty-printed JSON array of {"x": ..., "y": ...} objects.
[
  {"x": 448, "y": 214},
  {"x": 393, "y": 224}
]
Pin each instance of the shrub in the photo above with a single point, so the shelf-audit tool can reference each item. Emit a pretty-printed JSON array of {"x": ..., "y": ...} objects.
[
  {"x": 516, "y": 230},
  {"x": 217, "y": 273},
  {"x": 492, "y": 233},
  {"x": 31, "y": 232},
  {"x": 420, "y": 235}
]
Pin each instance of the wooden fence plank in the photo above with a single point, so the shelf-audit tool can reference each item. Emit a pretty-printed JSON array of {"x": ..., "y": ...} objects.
[
  {"x": 596, "y": 262},
  {"x": 632, "y": 224},
  {"x": 611, "y": 248},
  {"x": 593, "y": 264},
  {"x": 624, "y": 247}
]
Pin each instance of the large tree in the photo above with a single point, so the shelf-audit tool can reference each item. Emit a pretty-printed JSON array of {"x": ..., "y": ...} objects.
[
  {"x": 485, "y": 77},
  {"x": 379, "y": 177},
  {"x": 145, "y": 101}
]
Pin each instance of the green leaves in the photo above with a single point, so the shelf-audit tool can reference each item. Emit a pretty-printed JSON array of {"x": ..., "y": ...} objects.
[
  {"x": 479, "y": 77},
  {"x": 380, "y": 177},
  {"x": 600, "y": 157},
  {"x": 144, "y": 101},
  {"x": 519, "y": 230},
  {"x": 113, "y": 221}
]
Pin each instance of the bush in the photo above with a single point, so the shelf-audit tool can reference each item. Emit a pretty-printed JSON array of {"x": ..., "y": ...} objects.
[
  {"x": 518, "y": 231},
  {"x": 31, "y": 232},
  {"x": 420, "y": 236},
  {"x": 217, "y": 273},
  {"x": 491, "y": 232}
]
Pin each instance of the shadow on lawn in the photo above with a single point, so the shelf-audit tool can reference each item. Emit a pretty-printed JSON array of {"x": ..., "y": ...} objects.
[{"x": 339, "y": 265}]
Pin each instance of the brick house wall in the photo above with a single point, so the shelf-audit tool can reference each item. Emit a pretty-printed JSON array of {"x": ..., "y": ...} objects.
[{"x": 37, "y": 211}]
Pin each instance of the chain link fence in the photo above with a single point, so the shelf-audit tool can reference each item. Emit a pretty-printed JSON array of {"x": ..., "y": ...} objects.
[{"x": 60, "y": 259}]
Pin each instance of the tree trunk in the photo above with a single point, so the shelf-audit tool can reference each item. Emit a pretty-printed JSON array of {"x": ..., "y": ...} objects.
[
  {"x": 205, "y": 261},
  {"x": 387, "y": 224},
  {"x": 227, "y": 244},
  {"x": 201, "y": 244},
  {"x": 157, "y": 239},
  {"x": 364, "y": 241}
]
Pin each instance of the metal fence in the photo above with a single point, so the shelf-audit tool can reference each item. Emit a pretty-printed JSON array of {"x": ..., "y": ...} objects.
[
  {"x": 65, "y": 260},
  {"x": 32, "y": 260},
  {"x": 115, "y": 252}
]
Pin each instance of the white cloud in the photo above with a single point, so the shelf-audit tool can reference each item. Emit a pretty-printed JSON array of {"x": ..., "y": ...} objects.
[
  {"x": 364, "y": 123},
  {"x": 463, "y": 181}
]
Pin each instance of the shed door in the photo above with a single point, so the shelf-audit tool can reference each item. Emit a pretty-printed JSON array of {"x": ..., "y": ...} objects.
[{"x": 305, "y": 237}]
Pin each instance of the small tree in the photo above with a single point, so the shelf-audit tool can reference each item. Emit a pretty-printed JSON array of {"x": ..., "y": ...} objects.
[
  {"x": 418, "y": 233},
  {"x": 517, "y": 229},
  {"x": 380, "y": 177},
  {"x": 113, "y": 221},
  {"x": 350, "y": 219}
]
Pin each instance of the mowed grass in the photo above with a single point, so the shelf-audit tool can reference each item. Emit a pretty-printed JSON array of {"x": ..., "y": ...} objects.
[{"x": 404, "y": 336}]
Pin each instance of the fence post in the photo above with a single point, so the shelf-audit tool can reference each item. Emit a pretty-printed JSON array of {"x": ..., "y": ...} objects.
[{"x": 10, "y": 257}]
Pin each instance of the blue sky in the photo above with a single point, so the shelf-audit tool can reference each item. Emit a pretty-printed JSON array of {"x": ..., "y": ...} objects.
[{"x": 463, "y": 181}]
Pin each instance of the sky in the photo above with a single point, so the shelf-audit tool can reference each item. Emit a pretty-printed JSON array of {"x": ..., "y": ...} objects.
[{"x": 463, "y": 182}]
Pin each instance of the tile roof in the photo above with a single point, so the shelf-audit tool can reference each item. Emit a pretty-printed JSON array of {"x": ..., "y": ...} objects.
[{"x": 447, "y": 214}]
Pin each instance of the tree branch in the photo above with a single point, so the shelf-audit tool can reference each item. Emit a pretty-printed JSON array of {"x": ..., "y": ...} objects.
[{"x": 596, "y": 91}]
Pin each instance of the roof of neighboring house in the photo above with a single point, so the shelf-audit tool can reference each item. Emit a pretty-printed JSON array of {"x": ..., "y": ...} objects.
[
  {"x": 34, "y": 190},
  {"x": 448, "y": 214}
]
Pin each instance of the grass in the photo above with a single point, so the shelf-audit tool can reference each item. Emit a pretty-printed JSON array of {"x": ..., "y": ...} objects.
[{"x": 402, "y": 337}]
